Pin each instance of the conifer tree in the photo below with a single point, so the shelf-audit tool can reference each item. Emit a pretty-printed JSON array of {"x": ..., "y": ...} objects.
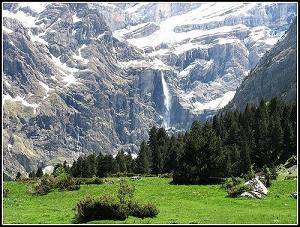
[
  {"x": 142, "y": 161},
  {"x": 39, "y": 172},
  {"x": 120, "y": 159},
  {"x": 18, "y": 176}
]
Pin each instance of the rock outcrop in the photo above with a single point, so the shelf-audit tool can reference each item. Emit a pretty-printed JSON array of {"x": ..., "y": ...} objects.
[
  {"x": 257, "y": 189},
  {"x": 274, "y": 75}
]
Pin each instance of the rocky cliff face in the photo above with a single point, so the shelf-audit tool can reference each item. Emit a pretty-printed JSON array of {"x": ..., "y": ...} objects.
[
  {"x": 82, "y": 78},
  {"x": 274, "y": 75}
]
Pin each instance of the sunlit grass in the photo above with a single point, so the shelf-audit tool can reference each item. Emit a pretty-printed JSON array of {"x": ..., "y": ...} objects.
[{"x": 177, "y": 203}]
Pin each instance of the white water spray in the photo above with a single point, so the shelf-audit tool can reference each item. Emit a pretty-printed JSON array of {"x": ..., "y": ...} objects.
[{"x": 167, "y": 101}]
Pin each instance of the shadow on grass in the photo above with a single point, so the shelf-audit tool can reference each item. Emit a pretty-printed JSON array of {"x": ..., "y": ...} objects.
[{"x": 204, "y": 181}]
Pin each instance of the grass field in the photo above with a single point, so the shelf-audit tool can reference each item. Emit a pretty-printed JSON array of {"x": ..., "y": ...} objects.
[{"x": 201, "y": 204}]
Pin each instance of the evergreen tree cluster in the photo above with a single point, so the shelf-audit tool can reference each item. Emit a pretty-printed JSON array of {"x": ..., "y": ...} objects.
[
  {"x": 228, "y": 145},
  {"x": 102, "y": 165}
]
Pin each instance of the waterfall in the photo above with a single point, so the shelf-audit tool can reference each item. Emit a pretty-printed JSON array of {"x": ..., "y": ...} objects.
[
  {"x": 167, "y": 101},
  {"x": 77, "y": 147}
]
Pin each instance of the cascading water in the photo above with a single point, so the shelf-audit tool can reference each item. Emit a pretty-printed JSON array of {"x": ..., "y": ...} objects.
[{"x": 167, "y": 101}]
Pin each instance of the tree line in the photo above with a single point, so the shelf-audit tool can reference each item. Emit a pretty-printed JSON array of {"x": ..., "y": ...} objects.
[{"x": 231, "y": 144}]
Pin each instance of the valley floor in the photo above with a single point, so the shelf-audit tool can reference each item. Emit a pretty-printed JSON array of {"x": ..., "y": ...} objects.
[{"x": 201, "y": 204}]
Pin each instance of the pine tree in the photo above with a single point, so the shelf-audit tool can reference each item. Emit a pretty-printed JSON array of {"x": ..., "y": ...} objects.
[
  {"x": 276, "y": 140},
  {"x": 142, "y": 161},
  {"x": 120, "y": 158},
  {"x": 32, "y": 174},
  {"x": 92, "y": 163},
  {"x": 245, "y": 159},
  {"x": 39, "y": 172},
  {"x": 66, "y": 168},
  {"x": 170, "y": 163},
  {"x": 107, "y": 165},
  {"x": 262, "y": 140},
  {"x": 129, "y": 162},
  {"x": 18, "y": 176},
  {"x": 58, "y": 165},
  {"x": 74, "y": 170},
  {"x": 85, "y": 168}
]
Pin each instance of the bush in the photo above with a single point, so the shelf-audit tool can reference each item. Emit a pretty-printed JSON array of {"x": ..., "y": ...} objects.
[
  {"x": 41, "y": 189},
  {"x": 165, "y": 175},
  {"x": 125, "y": 192},
  {"x": 235, "y": 186},
  {"x": 142, "y": 211},
  {"x": 73, "y": 187},
  {"x": 104, "y": 207},
  {"x": 45, "y": 185},
  {"x": 250, "y": 174},
  {"x": 267, "y": 180},
  {"x": 66, "y": 182}
]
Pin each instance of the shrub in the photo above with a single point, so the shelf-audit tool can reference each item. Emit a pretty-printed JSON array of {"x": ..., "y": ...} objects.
[
  {"x": 250, "y": 174},
  {"x": 59, "y": 171},
  {"x": 165, "y": 175},
  {"x": 104, "y": 207},
  {"x": 73, "y": 187},
  {"x": 267, "y": 181},
  {"x": 125, "y": 192},
  {"x": 94, "y": 180},
  {"x": 65, "y": 182},
  {"x": 41, "y": 189},
  {"x": 139, "y": 210},
  {"x": 235, "y": 186},
  {"x": 274, "y": 173},
  {"x": 45, "y": 185}
]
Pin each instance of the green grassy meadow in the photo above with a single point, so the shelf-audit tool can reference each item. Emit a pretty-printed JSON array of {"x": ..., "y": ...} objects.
[{"x": 194, "y": 204}]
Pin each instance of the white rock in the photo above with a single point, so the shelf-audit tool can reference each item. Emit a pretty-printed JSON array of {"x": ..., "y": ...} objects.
[
  {"x": 257, "y": 186},
  {"x": 247, "y": 194}
]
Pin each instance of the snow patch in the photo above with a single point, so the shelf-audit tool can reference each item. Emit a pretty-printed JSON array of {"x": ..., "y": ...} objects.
[
  {"x": 136, "y": 7},
  {"x": 36, "y": 38},
  {"x": 155, "y": 64},
  {"x": 75, "y": 18},
  {"x": 66, "y": 71},
  {"x": 63, "y": 65},
  {"x": 22, "y": 100},
  {"x": 79, "y": 57},
  {"x": 47, "y": 89},
  {"x": 69, "y": 79},
  {"x": 38, "y": 7},
  {"x": 7, "y": 84},
  {"x": 216, "y": 103},
  {"x": 26, "y": 20},
  {"x": 9, "y": 146},
  {"x": 223, "y": 41},
  {"x": 7, "y": 30}
]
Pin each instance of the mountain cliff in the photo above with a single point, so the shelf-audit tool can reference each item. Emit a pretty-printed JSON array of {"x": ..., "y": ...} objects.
[
  {"x": 274, "y": 75},
  {"x": 94, "y": 77}
]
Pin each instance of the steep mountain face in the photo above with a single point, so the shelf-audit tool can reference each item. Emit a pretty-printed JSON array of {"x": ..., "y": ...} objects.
[
  {"x": 205, "y": 49},
  {"x": 81, "y": 78},
  {"x": 274, "y": 75}
]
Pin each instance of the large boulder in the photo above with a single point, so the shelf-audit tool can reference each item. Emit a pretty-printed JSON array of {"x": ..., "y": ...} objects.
[
  {"x": 256, "y": 189},
  {"x": 257, "y": 186}
]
